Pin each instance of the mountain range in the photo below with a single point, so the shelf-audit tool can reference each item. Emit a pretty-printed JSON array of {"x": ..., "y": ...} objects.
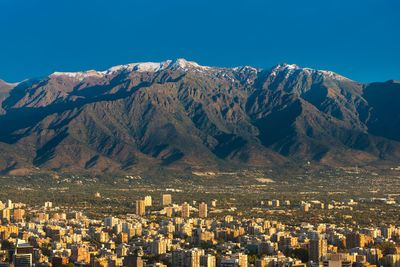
[{"x": 177, "y": 114}]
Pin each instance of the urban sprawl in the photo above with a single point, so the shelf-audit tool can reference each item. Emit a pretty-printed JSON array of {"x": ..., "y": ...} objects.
[{"x": 190, "y": 234}]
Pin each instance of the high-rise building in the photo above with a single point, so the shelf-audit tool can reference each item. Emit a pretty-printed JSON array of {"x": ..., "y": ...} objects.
[
  {"x": 203, "y": 210},
  {"x": 159, "y": 246},
  {"x": 341, "y": 260},
  {"x": 355, "y": 240},
  {"x": 140, "y": 208},
  {"x": 392, "y": 260},
  {"x": 178, "y": 258},
  {"x": 168, "y": 211},
  {"x": 387, "y": 231},
  {"x": 110, "y": 222},
  {"x": 286, "y": 243},
  {"x": 18, "y": 215},
  {"x": 117, "y": 228},
  {"x": 305, "y": 206},
  {"x": 187, "y": 258},
  {"x": 23, "y": 255},
  {"x": 147, "y": 201},
  {"x": 80, "y": 254},
  {"x": 317, "y": 249},
  {"x": 242, "y": 258},
  {"x": 103, "y": 237},
  {"x": 48, "y": 205},
  {"x": 208, "y": 260},
  {"x": 133, "y": 261},
  {"x": 10, "y": 204},
  {"x": 5, "y": 215},
  {"x": 185, "y": 210},
  {"x": 166, "y": 199},
  {"x": 123, "y": 238}
]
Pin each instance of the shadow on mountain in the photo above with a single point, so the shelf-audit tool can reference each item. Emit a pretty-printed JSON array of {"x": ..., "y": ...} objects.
[
  {"x": 384, "y": 100},
  {"x": 47, "y": 151},
  {"x": 27, "y": 117},
  {"x": 279, "y": 124},
  {"x": 227, "y": 143}
]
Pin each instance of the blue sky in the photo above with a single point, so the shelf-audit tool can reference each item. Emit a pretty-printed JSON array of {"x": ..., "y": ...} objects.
[{"x": 358, "y": 39}]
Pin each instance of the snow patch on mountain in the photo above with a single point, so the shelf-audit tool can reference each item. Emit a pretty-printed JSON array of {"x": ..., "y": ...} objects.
[
  {"x": 78, "y": 75},
  {"x": 333, "y": 75},
  {"x": 185, "y": 65},
  {"x": 289, "y": 69},
  {"x": 139, "y": 67}
]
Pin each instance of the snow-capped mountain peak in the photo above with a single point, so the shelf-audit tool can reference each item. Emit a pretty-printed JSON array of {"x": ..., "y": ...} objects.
[
  {"x": 140, "y": 67},
  {"x": 186, "y": 65}
]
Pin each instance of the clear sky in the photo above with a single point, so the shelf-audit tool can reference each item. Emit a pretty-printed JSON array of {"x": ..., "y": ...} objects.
[{"x": 359, "y": 39}]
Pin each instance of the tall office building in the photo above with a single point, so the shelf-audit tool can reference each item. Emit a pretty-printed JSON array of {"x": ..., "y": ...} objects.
[
  {"x": 178, "y": 258},
  {"x": 392, "y": 260},
  {"x": 169, "y": 211},
  {"x": 317, "y": 249},
  {"x": 185, "y": 210},
  {"x": 10, "y": 204},
  {"x": 355, "y": 240},
  {"x": 166, "y": 199},
  {"x": 203, "y": 210},
  {"x": 147, "y": 201},
  {"x": 133, "y": 261},
  {"x": 18, "y": 215},
  {"x": 140, "y": 208},
  {"x": 187, "y": 258},
  {"x": 193, "y": 257},
  {"x": 5, "y": 215},
  {"x": 110, "y": 222},
  {"x": 158, "y": 246},
  {"x": 242, "y": 258},
  {"x": 208, "y": 260},
  {"x": 80, "y": 253},
  {"x": 23, "y": 255}
]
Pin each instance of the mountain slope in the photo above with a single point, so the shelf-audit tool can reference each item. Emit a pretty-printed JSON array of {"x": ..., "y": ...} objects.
[{"x": 180, "y": 115}]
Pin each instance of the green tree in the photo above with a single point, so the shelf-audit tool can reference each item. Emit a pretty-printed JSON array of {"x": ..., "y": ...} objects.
[
  {"x": 7, "y": 245},
  {"x": 300, "y": 253}
]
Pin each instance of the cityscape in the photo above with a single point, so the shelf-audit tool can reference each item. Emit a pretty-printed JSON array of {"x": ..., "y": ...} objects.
[
  {"x": 183, "y": 133},
  {"x": 162, "y": 232}
]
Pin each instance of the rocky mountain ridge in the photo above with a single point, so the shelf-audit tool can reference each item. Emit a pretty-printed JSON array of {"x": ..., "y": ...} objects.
[{"x": 179, "y": 115}]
